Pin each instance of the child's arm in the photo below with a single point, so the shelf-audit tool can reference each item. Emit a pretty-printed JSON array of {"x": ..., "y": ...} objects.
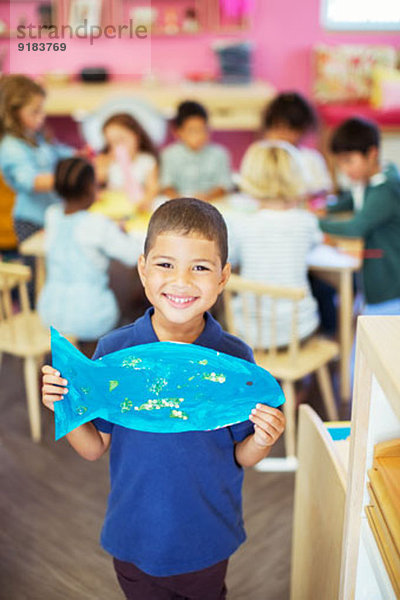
[
  {"x": 171, "y": 192},
  {"x": 20, "y": 173},
  {"x": 86, "y": 439},
  {"x": 378, "y": 209},
  {"x": 100, "y": 233},
  {"x": 344, "y": 203},
  {"x": 269, "y": 424},
  {"x": 44, "y": 182},
  {"x": 150, "y": 190},
  {"x": 102, "y": 164},
  {"x": 213, "y": 194}
]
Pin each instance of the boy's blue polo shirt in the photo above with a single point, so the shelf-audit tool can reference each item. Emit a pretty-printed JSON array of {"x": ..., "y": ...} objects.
[{"x": 175, "y": 503}]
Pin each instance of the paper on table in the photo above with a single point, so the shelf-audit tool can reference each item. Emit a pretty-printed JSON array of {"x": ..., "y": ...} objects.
[
  {"x": 162, "y": 387},
  {"x": 328, "y": 256}
]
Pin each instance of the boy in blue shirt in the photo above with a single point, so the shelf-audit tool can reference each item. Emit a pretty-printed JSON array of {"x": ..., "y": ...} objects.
[
  {"x": 174, "y": 512},
  {"x": 193, "y": 166}
]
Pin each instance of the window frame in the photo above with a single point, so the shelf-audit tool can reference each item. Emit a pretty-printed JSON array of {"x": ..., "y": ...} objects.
[{"x": 330, "y": 25}]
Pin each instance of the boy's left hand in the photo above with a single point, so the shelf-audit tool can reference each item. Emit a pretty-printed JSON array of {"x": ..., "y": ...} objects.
[{"x": 269, "y": 424}]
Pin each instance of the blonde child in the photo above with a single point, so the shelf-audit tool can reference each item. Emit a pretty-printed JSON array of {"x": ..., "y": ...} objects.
[
  {"x": 76, "y": 298},
  {"x": 174, "y": 512},
  {"x": 129, "y": 161},
  {"x": 271, "y": 243},
  {"x": 288, "y": 118},
  {"x": 193, "y": 166}
]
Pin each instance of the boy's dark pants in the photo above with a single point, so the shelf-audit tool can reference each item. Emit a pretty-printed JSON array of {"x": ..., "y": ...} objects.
[{"x": 207, "y": 584}]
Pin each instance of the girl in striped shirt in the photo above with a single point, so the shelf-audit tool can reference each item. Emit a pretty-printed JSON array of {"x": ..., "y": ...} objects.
[{"x": 271, "y": 244}]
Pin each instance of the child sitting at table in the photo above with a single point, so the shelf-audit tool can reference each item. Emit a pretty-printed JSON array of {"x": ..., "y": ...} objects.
[
  {"x": 193, "y": 166},
  {"x": 28, "y": 156},
  {"x": 76, "y": 298},
  {"x": 289, "y": 117},
  {"x": 174, "y": 513},
  {"x": 355, "y": 145},
  {"x": 271, "y": 243},
  {"x": 129, "y": 162}
]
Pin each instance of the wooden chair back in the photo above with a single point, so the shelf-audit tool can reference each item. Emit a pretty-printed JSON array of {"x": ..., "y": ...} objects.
[
  {"x": 254, "y": 291},
  {"x": 22, "y": 334},
  {"x": 14, "y": 276}
]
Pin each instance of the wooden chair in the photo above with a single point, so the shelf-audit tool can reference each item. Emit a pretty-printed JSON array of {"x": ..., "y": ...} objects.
[
  {"x": 22, "y": 334},
  {"x": 289, "y": 364}
]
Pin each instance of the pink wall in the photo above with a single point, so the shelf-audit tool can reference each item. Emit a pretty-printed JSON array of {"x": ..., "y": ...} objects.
[{"x": 283, "y": 32}]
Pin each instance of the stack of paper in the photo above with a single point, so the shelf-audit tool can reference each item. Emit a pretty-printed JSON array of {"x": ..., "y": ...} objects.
[{"x": 384, "y": 511}]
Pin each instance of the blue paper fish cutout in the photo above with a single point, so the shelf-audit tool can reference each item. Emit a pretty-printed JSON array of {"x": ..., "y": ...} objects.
[{"x": 163, "y": 387}]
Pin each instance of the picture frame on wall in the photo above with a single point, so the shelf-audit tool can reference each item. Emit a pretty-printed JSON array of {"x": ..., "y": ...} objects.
[{"x": 83, "y": 12}]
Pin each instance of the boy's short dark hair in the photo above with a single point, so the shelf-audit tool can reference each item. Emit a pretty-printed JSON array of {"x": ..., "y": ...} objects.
[
  {"x": 189, "y": 109},
  {"x": 292, "y": 110},
  {"x": 73, "y": 178},
  {"x": 355, "y": 135},
  {"x": 189, "y": 215}
]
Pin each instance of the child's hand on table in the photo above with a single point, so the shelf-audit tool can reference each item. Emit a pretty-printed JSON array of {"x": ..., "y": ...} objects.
[
  {"x": 102, "y": 164},
  {"x": 53, "y": 388},
  {"x": 269, "y": 424}
]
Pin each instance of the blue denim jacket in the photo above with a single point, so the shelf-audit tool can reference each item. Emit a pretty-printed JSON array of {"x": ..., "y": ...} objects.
[{"x": 20, "y": 164}]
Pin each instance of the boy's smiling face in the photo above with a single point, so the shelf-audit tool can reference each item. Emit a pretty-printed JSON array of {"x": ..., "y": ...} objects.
[{"x": 182, "y": 276}]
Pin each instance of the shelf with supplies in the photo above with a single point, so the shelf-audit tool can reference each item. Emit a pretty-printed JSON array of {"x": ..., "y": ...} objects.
[
  {"x": 376, "y": 415},
  {"x": 159, "y": 17},
  {"x": 231, "y": 107},
  {"x": 346, "y": 534}
]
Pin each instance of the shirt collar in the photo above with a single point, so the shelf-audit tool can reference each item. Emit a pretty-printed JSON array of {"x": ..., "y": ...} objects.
[
  {"x": 191, "y": 152},
  {"x": 377, "y": 179},
  {"x": 209, "y": 337},
  {"x": 145, "y": 330}
]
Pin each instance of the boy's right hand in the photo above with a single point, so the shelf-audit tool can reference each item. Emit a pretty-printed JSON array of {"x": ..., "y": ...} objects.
[{"x": 53, "y": 388}]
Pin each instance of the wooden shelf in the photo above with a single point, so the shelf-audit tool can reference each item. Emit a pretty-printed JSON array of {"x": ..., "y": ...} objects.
[
  {"x": 376, "y": 563},
  {"x": 335, "y": 554},
  {"x": 231, "y": 107},
  {"x": 375, "y": 419},
  {"x": 319, "y": 504},
  {"x": 209, "y": 18}
]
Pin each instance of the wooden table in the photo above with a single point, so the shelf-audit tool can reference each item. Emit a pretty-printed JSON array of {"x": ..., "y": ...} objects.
[
  {"x": 338, "y": 272},
  {"x": 231, "y": 107}
]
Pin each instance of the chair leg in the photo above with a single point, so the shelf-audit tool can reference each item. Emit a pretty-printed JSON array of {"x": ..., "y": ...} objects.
[
  {"x": 289, "y": 409},
  {"x": 32, "y": 395},
  {"x": 325, "y": 385}
]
